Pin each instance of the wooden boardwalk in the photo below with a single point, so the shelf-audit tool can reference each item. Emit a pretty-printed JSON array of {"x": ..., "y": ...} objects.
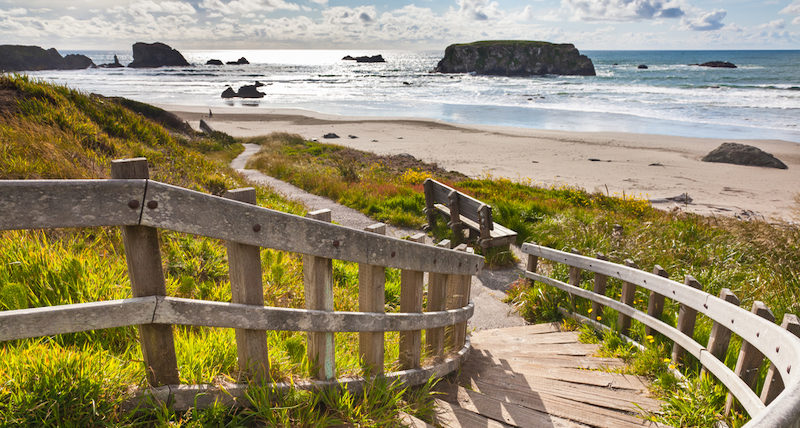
[{"x": 539, "y": 376}]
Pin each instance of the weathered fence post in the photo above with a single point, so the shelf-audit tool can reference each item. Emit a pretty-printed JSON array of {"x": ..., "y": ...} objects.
[
  {"x": 655, "y": 304},
  {"x": 371, "y": 298},
  {"x": 318, "y": 283},
  {"x": 457, "y": 296},
  {"x": 574, "y": 279},
  {"x": 627, "y": 297},
  {"x": 411, "y": 284},
  {"x": 532, "y": 265},
  {"x": 455, "y": 218},
  {"x": 246, "y": 288},
  {"x": 687, "y": 317},
  {"x": 437, "y": 299},
  {"x": 720, "y": 336},
  {"x": 600, "y": 284},
  {"x": 773, "y": 383},
  {"x": 430, "y": 210},
  {"x": 486, "y": 225},
  {"x": 750, "y": 358},
  {"x": 143, "y": 256}
]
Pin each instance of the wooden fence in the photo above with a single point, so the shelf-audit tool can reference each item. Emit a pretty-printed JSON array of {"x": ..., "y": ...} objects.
[
  {"x": 141, "y": 206},
  {"x": 779, "y": 402}
]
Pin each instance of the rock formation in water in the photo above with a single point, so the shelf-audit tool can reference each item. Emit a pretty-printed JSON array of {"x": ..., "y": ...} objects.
[
  {"x": 19, "y": 58},
  {"x": 717, "y": 64},
  {"x": 115, "y": 64},
  {"x": 515, "y": 58},
  {"x": 374, "y": 58},
  {"x": 151, "y": 55},
  {"x": 214, "y": 62}
]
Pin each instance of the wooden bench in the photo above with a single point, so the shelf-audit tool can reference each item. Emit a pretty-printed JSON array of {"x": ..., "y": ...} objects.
[{"x": 465, "y": 211}]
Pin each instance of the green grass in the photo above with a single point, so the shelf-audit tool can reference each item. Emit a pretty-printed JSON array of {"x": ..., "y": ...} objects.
[{"x": 84, "y": 379}]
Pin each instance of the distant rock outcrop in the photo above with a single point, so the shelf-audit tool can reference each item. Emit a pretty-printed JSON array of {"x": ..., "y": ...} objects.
[
  {"x": 250, "y": 91},
  {"x": 515, "y": 58},
  {"x": 114, "y": 64},
  {"x": 742, "y": 154},
  {"x": 240, "y": 61},
  {"x": 228, "y": 93},
  {"x": 374, "y": 58},
  {"x": 214, "y": 62},
  {"x": 19, "y": 58},
  {"x": 246, "y": 91},
  {"x": 642, "y": 67},
  {"x": 152, "y": 55},
  {"x": 717, "y": 64}
]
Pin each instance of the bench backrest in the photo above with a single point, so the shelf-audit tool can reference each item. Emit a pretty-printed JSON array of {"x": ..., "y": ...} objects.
[{"x": 469, "y": 207}]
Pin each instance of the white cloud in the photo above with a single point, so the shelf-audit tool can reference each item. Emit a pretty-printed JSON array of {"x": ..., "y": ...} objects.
[
  {"x": 622, "y": 10},
  {"x": 479, "y": 10},
  {"x": 792, "y": 8},
  {"x": 320, "y": 2},
  {"x": 17, "y": 11},
  {"x": 243, "y": 7},
  {"x": 708, "y": 21}
]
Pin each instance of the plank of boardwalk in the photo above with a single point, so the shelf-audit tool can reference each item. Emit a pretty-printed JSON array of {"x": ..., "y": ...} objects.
[
  {"x": 553, "y": 349},
  {"x": 553, "y": 405},
  {"x": 451, "y": 416},
  {"x": 519, "y": 337},
  {"x": 543, "y": 360},
  {"x": 504, "y": 411},
  {"x": 533, "y": 372},
  {"x": 412, "y": 421}
]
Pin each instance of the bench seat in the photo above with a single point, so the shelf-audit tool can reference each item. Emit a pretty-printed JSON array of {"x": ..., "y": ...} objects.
[{"x": 500, "y": 235}]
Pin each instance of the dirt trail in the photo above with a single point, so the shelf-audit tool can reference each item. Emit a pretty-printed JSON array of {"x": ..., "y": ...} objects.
[{"x": 487, "y": 287}]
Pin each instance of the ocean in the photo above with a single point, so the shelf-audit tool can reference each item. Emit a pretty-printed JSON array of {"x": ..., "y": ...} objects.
[{"x": 758, "y": 100}]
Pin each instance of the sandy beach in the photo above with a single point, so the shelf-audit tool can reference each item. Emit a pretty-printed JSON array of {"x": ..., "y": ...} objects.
[{"x": 654, "y": 167}]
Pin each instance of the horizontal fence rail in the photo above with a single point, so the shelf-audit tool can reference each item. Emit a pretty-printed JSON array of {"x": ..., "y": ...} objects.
[
  {"x": 63, "y": 319},
  {"x": 780, "y": 346},
  {"x": 33, "y": 204},
  {"x": 141, "y": 207}
]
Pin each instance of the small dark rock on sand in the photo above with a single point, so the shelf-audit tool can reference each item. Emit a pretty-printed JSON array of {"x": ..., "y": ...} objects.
[
  {"x": 352, "y": 136},
  {"x": 743, "y": 154},
  {"x": 330, "y": 135}
]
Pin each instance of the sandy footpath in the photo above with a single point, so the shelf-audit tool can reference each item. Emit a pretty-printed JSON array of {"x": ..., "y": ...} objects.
[{"x": 655, "y": 167}]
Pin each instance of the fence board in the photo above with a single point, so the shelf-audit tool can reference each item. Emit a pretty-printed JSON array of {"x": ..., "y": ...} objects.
[
  {"x": 35, "y": 204},
  {"x": 206, "y": 215},
  {"x": 411, "y": 285},
  {"x": 143, "y": 255},
  {"x": 246, "y": 288},
  {"x": 174, "y": 310},
  {"x": 51, "y": 320},
  {"x": 371, "y": 298}
]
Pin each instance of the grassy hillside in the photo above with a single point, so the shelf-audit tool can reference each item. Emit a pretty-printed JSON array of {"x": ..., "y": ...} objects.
[
  {"x": 83, "y": 379},
  {"x": 755, "y": 259}
]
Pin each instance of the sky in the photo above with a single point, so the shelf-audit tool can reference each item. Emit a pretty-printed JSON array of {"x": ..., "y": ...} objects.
[{"x": 401, "y": 24}]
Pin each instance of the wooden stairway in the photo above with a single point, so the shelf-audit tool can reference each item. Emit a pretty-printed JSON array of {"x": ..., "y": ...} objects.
[{"x": 539, "y": 376}]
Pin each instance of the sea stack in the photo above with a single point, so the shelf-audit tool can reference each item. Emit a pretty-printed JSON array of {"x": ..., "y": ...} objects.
[
  {"x": 515, "y": 58},
  {"x": 19, "y": 58},
  {"x": 152, "y": 55}
]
